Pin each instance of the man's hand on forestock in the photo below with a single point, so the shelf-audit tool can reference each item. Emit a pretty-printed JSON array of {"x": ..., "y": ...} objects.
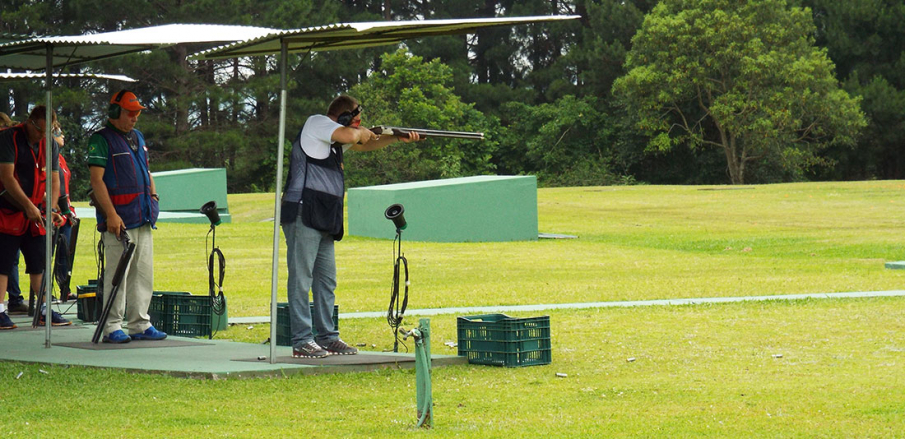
[
  {"x": 366, "y": 135},
  {"x": 412, "y": 137},
  {"x": 58, "y": 219}
]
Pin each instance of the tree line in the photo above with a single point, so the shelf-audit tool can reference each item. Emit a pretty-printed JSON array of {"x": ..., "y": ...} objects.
[{"x": 671, "y": 91}]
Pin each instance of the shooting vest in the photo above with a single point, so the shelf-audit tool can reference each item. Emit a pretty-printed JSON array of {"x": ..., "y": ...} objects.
[
  {"x": 318, "y": 185},
  {"x": 31, "y": 176},
  {"x": 128, "y": 180}
]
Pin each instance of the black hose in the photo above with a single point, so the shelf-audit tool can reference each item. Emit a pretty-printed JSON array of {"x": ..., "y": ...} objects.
[
  {"x": 396, "y": 311},
  {"x": 215, "y": 287}
]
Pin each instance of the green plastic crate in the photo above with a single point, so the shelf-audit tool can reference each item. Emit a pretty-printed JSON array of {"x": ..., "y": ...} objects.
[
  {"x": 181, "y": 314},
  {"x": 284, "y": 330},
  {"x": 500, "y": 340}
]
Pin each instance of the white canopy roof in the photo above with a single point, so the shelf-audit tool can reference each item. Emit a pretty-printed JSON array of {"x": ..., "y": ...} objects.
[
  {"x": 19, "y": 76},
  {"x": 358, "y": 35},
  {"x": 31, "y": 53}
]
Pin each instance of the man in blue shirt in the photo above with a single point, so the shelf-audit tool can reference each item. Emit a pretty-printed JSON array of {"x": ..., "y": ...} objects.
[{"x": 126, "y": 199}]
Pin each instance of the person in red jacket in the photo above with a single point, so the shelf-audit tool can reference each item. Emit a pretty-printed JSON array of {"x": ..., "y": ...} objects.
[
  {"x": 23, "y": 176},
  {"x": 64, "y": 254}
]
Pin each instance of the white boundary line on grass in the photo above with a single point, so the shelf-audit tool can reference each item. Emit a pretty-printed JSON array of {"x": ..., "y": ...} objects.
[{"x": 473, "y": 310}]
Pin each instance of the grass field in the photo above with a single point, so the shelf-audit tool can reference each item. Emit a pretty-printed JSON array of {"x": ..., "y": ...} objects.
[{"x": 810, "y": 368}]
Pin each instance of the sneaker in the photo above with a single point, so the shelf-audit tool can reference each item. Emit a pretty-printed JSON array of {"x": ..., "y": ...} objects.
[
  {"x": 55, "y": 320},
  {"x": 117, "y": 336},
  {"x": 5, "y": 322},
  {"x": 17, "y": 308},
  {"x": 309, "y": 350},
  {"x": 339, "y": 347},
  {"x": 149, "y": 334}
]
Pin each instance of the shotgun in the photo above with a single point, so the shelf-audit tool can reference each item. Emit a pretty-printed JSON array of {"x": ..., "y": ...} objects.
[
  {"x": 124, "y": 260},
  {"x": 424, "y": 133}
]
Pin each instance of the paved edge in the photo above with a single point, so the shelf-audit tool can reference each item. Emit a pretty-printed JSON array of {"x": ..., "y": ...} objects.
[{"x": 661, "y": 302}]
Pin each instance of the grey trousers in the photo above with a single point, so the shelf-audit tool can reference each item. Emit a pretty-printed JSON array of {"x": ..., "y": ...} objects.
[
  {"x": 312, "y": 267},
  {"x": 137, "y": 286}
]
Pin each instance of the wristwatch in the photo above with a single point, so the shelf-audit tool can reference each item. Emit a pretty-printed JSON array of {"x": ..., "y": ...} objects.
[{"x": 156, "y": 197}]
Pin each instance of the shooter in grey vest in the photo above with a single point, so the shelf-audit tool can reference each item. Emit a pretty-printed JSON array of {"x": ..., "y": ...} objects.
[{"x": 312, "y": 219}]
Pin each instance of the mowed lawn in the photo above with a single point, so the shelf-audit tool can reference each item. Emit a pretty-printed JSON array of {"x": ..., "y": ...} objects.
[
  {"x": 634, "y": 243},
  {"x": 810, "y": 368}
]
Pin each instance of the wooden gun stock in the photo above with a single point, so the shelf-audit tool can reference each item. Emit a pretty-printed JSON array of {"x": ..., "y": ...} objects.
[
  {"x": 95, "y": 204},
  {"x": 425, "y": 133}
]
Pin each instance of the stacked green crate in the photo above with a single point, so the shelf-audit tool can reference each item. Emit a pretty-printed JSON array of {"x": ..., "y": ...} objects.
[{"x": 284, "y": 332}]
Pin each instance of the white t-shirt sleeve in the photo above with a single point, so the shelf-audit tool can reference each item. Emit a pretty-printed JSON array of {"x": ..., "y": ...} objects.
[{"x": 316, "y": 136}]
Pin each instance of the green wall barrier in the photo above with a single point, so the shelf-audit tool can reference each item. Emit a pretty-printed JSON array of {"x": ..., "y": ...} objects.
[
  {"x": 183, "y": 192},
  {"x": 468, "y": 209}
]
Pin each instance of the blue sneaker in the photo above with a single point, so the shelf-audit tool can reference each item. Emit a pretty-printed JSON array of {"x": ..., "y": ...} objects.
[
  {"x": 149, "y": 334},
  {"x": 55, "y": 320},
  {"x": 117, "y": 336},
  {"x": 6, "y": 322}
]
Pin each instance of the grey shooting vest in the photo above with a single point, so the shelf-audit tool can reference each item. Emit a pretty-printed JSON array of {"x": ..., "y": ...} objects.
[{"x": 317, "y": 187}]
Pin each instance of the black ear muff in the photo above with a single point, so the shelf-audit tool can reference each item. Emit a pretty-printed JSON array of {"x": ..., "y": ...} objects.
[
  {"x": 345, "y": 119},
  {"x": 114, "y": 110}
]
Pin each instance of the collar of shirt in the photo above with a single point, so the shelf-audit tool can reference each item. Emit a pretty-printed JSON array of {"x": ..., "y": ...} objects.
[{"x": 111, "y": 126}]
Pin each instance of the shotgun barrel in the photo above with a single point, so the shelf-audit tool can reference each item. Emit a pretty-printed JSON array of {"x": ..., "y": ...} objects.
[{"x": 401, "y": 132}]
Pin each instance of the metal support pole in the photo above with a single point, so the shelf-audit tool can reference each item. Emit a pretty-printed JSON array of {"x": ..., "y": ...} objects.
[
  {"x": 424, "y": 400},
  {"x": 48, "y": 215},
  {"x": 281, "y": 138}
]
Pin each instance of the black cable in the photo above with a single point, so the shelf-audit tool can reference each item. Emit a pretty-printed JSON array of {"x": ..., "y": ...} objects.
[
  {"x": 395, "y": 318},
  {"x": 218, "y": 302}
]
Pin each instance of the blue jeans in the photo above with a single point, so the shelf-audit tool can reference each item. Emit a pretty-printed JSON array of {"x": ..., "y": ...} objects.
[
  {"x": 312, "y": 267},
  {"x": 12, "y": 286},
  {"x": 61, "y": 261}
]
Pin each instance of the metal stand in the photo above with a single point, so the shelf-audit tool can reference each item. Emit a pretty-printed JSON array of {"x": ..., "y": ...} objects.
[
  {"x": 215, "y": 284},
  {"x": 424, "y": 400},
  {"x": 400, "y": 302},
  {"x": 39, "y": 302}
]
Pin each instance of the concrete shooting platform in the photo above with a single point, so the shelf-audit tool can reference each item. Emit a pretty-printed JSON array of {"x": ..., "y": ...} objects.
[{"x": 187, "y": 357}]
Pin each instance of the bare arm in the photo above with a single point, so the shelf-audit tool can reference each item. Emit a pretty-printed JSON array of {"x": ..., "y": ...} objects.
[
  {"x": 102, "y": 197},
  {"x": 55, "y": 193},
  {"x": 352, "y": 135},
  {"x": 55, "y": 189},
  {"x": 383, "y": 141}
]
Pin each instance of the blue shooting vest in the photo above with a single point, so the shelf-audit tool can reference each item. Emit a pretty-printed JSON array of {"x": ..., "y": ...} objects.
[{"x": 128, "y": 180}]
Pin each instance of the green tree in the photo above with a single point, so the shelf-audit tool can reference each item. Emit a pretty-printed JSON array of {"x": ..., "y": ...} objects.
[
  {"x": 565, "y": 143},
  {"x": 864, "y": 38},
  {"x": 744, "y": 77},
  {"x": 406, "y": 91}
]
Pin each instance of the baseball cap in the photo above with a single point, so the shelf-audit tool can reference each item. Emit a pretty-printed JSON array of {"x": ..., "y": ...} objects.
[{"x": 127, "y": 100}]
